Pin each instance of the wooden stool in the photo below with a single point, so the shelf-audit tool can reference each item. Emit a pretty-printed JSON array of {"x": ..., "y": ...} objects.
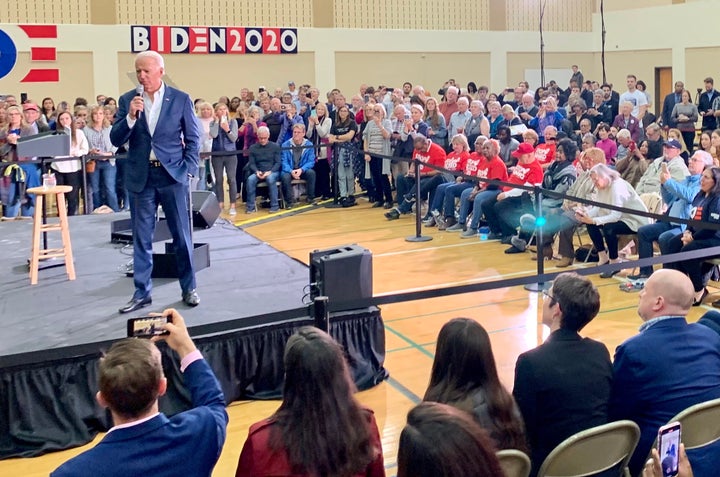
[{"x": 38, "y": 228}]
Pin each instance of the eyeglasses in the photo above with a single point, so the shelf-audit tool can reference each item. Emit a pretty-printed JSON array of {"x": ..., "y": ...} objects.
[{"x": 548, "y": 296}]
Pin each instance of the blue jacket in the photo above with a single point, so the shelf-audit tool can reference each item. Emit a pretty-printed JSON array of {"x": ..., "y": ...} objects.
[
  {"x": 679, "y": 196},
  {"x": 307, "y": 159},
  {"x": 187, "y": 444},
  {"x": 286, "y": 127}
]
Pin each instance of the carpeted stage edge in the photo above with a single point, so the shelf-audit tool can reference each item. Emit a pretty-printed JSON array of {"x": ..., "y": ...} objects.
[{"x": 53, "y": 333}]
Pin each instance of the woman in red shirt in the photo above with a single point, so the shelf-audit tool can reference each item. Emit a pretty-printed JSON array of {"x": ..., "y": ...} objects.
[{"x": 319, "y": 429}]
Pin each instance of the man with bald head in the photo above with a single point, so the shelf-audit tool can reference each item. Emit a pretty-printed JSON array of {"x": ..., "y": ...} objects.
[{"x": 669, "y": 366}]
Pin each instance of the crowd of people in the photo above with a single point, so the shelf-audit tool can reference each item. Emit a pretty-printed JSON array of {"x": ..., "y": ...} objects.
[{"x": 566, "y": 385}]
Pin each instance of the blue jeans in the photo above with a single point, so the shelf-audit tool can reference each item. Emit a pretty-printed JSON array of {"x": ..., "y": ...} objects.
[
  {"x": 663, "y": 232},
  {"x": 25, "y": 205},
  {"x": 109, "y": 174},
  {"x": 251, "y": 186},
  {"x": 451, "y": 191},
  {"x": 476, "y": 203}
]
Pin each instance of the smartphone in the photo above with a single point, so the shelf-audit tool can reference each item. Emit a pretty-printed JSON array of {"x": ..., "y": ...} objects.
[
  {"x": 313, "y": 113},
  {"x": 147, "y": 326},
  {"x": 669, "y": 448}
]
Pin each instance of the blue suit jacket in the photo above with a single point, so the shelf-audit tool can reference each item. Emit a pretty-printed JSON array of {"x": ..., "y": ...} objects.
[
  {"x": 187, "y": 444},
  {"x": 660, "y": 372},
  {"x": 176, "y": 141}
]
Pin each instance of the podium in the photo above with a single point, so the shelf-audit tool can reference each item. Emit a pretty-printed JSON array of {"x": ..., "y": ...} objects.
[{"x": 47, "y": 144}]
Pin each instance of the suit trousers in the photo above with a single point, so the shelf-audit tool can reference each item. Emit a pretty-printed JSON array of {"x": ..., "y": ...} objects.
[{"x": 161, "y": 189}]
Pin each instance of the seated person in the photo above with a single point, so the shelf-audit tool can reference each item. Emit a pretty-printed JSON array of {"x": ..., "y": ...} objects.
[
  {"x": 563, "y": 386},
  {"x": 319, "y": 428},
  {"x": 631, "y": 160},
  {"x": 464, "y": 376},
  {"x": 545, "y": 152},
  {"x": 606, "y": 143},
  {"x": 425, "y": 152},
  {"x": 455, "y": 161},
  {"x": 144, "y": 441},
  {"x": 548, "y": 115},
  {"x": 298, "y": 159},
  {"x": 442, "y": 441},
  {"x": 527, "y": 172},
  {"x": 491, "y": 167},
  {"x": 667, "y": 367},
  {"x": 650, "y": 181},
  {"x": 264, "y": 163},
  {"x": 707, "y": 209},
  {"x": 507, "y": 144},
  {"x": 625, "y": 120},
  {"x": 604, "y": 225},
  {"x": 559, "y": 177},
  {"x": 678, "y": 197}
]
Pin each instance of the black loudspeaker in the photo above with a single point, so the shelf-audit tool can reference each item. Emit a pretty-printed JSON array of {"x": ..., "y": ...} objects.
[
  {"x": 343, "y": 274},
  {"x": 205, "y": 209}
]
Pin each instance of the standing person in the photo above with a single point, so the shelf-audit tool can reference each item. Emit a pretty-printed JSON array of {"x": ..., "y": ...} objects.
[
  {"x": 97, "y": 133},
  {"x": 70, "y": 172},
  {"x": 319, "y": 124},
  {"x": 563, "y": 386},
  {"x": 224, "y": 133},
  {"x": 376, "y": 137},
  {"x": 707, "y": 105},
  {"x": 15, "y": 128},
  {"x": 163, "y": 138},
  {"x": 320, "y": 428},
  {"x": 342, "y": 133},
  {"x": 685, "y": 115},
  {"x": 144, "y": 441}
]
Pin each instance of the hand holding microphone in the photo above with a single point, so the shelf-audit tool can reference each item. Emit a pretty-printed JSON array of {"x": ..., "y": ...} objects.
[{"x": 137, "y": 105}]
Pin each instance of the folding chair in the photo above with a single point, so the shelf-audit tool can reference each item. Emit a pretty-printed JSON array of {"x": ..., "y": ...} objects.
[{"x": 514, "y": 463}]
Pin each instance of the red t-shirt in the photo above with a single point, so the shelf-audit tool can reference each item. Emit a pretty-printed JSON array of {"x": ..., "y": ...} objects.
[
  {"x": 526, "y": 173},
  {"x": 493, "y": 169},
  {"x": 456, "y": 161},
  {"x": 545, "y": 153},
  {"x": 435, "y": 155},
  {"x": 473, "y": 163}
]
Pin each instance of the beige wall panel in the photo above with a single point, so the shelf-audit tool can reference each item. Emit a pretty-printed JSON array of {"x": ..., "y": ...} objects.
[
  {"x": 212, "y": 76},
  {"x": 640, "y": 63},
  {"x": 517, "y": 63},
  {"x": 76, "y": 78},
  {"x": 37, "y": 11},
  {"x": 412, "y": 14},
  {"x": 430, "y": 70},
  {"x": 267, "y": 13},
  {"x": 560, "y": 15},
  {"x": 698, "y": 66},
  {"x": 612, "y": 5}
]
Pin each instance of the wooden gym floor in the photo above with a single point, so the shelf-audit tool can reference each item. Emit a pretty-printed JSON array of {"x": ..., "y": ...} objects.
[{"x": 510, "y": 315}]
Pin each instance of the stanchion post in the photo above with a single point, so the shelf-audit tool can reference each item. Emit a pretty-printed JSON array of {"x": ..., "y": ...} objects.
[
  {"x": 84, "y": 183},
  {"x": 335, "y": 183},
  {"x": 321, "y": 313},
  {"x": 539, "y": 238},
  {"x": 418, "y": 237}
]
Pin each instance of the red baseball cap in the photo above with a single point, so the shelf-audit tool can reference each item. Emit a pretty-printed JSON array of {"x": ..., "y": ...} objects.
[{"x": 523, "y": 148}]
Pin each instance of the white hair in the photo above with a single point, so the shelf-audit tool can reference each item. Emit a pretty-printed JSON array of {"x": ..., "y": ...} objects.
[{"x": 152, "y": 54}]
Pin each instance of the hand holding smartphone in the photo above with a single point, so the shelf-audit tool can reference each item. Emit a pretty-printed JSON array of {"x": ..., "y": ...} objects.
[
  {"x": 669, "y": 448},
  {"x": 147, "y": 326}
]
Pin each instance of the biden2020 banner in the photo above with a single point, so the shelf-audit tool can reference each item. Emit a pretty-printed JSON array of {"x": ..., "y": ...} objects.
[{"x": 214, "y": 40}]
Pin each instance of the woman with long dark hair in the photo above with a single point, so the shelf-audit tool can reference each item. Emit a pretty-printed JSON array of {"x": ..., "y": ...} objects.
[
  {"x": 464, "y": 376},
  {"x": 70, "y": 172},
  {"x": 706, "y": 205},
  {"x": 320, "y": 429},
  {"x": 442, "y": 441}
]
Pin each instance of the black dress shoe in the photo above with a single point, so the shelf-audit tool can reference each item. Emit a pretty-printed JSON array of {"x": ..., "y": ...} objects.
[
  {"x": 191, "y": 298},
  {"x": 136, "y": 304},
  {"x": 377, "y": 204},
  {"x": 702, "y": 297}
]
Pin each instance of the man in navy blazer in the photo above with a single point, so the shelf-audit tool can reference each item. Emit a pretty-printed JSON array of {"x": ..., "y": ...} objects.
[
  {"x": 669, "y": 366},
  {"x": 159, "y": 125},
  {"x": 145, "y": 441},
  {"x": 670, "y": 101},
  {"x": 563, "y": 386}
]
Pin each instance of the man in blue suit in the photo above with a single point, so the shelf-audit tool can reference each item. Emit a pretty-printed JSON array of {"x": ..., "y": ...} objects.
[
  {"x": 159, "y": 124},
  {"x": 145, "y": 441},
  {"x": 670, "y": 101},
  {"x": 669, "y": 366}
]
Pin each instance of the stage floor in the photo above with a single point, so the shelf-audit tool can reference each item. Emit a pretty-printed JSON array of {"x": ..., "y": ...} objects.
[{"x": 246, "y": 278}]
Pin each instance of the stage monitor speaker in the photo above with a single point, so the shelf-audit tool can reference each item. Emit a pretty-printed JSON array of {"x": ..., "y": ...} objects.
[
  {"x": 342, "y": 274},
  {"x": 205, "y": 209}
]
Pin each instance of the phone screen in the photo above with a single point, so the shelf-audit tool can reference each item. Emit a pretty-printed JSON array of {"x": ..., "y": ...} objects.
[
  {"x": 313, "y": 113},
  {"x": 147, "y": 326},
  {"x": 669, "y": 448}
]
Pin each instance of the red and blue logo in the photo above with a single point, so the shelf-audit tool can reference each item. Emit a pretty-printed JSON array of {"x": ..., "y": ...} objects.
[{"x": 8, "y": 54}]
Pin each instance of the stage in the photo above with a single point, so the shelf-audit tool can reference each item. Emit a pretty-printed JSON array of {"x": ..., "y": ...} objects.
[{"x": 54, "y": 332}]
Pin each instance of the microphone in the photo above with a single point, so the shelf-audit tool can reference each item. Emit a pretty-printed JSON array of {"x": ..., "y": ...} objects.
[{"x": 139, "y": 90}]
